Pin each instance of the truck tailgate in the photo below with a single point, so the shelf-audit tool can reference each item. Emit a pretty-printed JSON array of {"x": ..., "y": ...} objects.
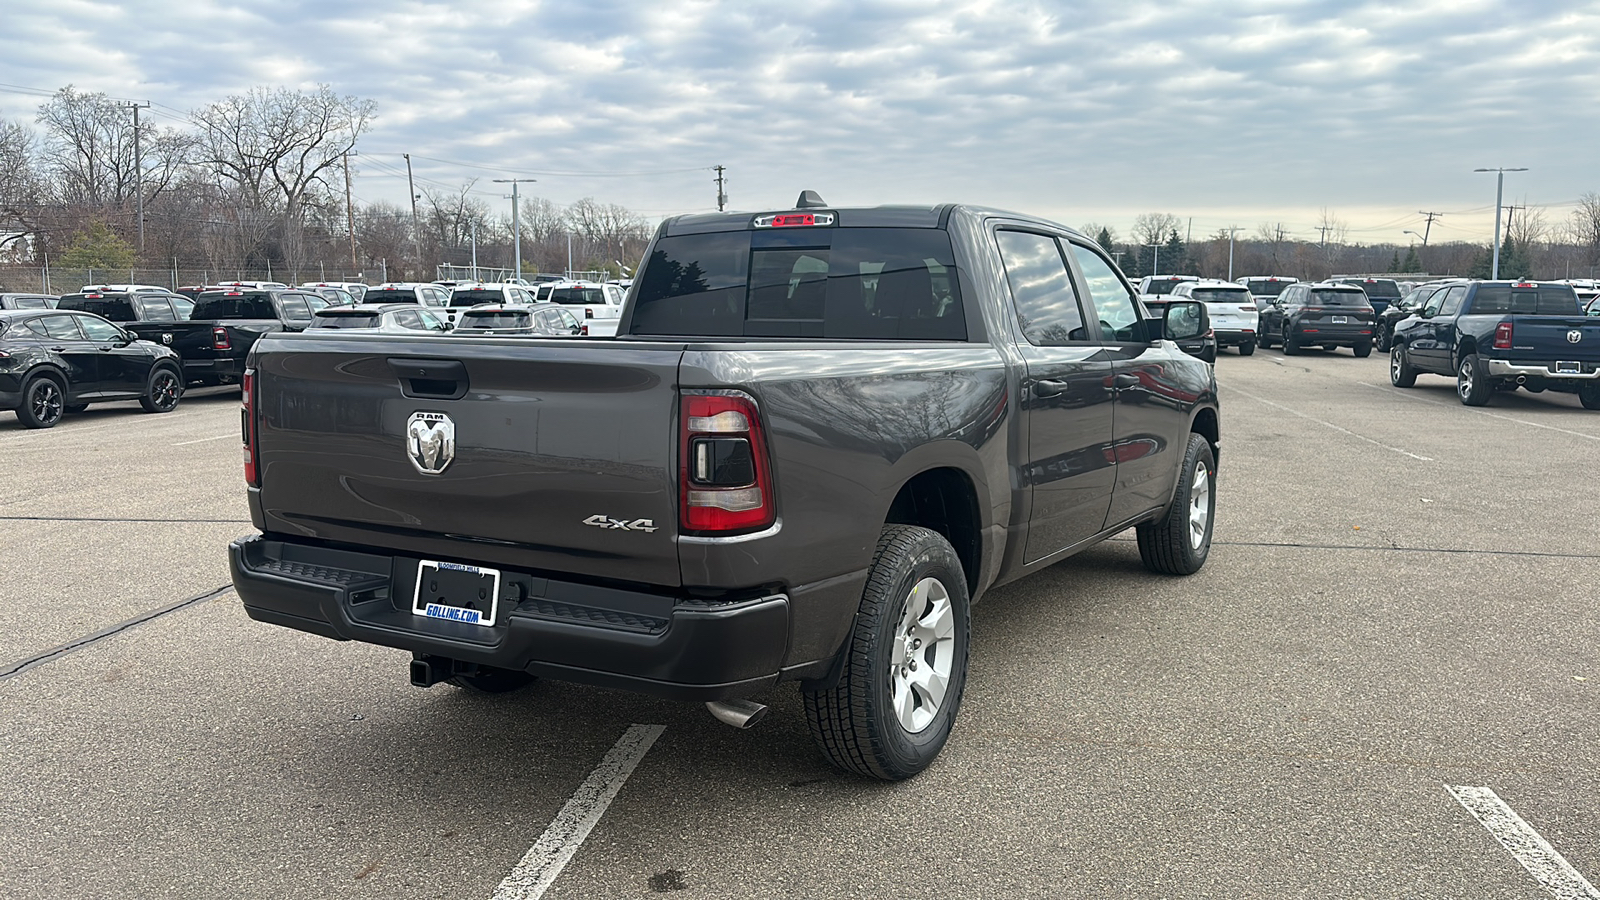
[
  {"x": 1545, "y": 338},
  {"x": 562, "y": 455}
]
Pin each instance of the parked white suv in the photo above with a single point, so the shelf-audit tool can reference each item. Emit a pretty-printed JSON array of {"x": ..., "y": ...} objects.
[
  {"x": 468, "y": 294},
  {"x": 1233, "y": 313},
  {"x": 602, "y": 304}
]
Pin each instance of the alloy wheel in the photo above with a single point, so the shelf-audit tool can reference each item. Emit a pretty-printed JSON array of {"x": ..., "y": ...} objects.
[
  {"x": 1199, "y": 505},
  {"x": 922, "y": 656}
]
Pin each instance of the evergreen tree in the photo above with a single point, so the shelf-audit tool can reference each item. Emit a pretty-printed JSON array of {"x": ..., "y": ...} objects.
[
  {"x": 1104, "y": 240},
  {"x": 1175, "y": 256},
  {"x": 1413, "y": 263},
  {"x": 1394, "y": 264},
  {"x": 98, "y": 247}
]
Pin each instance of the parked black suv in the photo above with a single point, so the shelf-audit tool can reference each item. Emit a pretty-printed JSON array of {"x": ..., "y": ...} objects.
[
  {"x": 54, "y": 362},
  {"x": 1326, "y": 314}
]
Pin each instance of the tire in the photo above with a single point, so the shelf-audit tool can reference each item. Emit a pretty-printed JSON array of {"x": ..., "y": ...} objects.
[
  {"x": 1384, "y": 340},
  {"x": 1589, "y": 396},
  {"x": 492, "y": 681},
  {"x": 1179, "y": 542},
  {"x": 1362, "y": 350},
  {"x": 1401, "y": 373},
  {"x": 1472, "y": 381},
  {"x": 1290, "y": 346},
  {"x": 882, "y": 718},
  {"x": 1247, "y": 348},
  {"x": 76, "y": 408},
  {"x": 1263, "y": 341},
  {"x": 163, "y": 391},
  {"x": 43, "y": 402}
]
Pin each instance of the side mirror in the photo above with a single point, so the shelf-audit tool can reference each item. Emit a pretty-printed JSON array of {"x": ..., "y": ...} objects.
[
  {"x": 1185, "y": 319},
  {"x": 128, "y": 337}
]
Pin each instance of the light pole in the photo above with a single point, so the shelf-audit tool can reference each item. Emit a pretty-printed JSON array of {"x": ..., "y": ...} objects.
[
  {"x": 1231, "y": 232},
  {"x": 516, "y": 219},
  {"x": 1499, "y": 190},
  {"x": 1414, "y": 234}
]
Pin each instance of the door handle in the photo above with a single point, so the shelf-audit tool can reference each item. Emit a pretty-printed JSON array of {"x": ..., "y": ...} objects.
[
  {"x": 1049, "y": 388},
  {"x": 1126, "y": 381},
  {"x": 58, "y": 349}
]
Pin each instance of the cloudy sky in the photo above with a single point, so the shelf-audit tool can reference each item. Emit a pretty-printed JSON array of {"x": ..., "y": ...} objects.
[{"x": 1232, "y": 113}]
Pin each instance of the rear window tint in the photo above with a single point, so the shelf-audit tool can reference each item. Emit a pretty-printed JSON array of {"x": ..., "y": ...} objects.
[
  {"x": 1223, "y": 295},
  {"x": 397, "y": 295},
  {"x": 1267, "y": 288},
  {"x": 813, "y": 282},
  {"x": 495, "y": 319},
  {"x": 1381, "y": 288},
  {"x": 1540, "y": 301},
  {"x": 467, "y": 298},
  {"x": 579, "y": 296},
  {"x": 1338, "y": 298},
  {"x": 1164, "y": 286},
  {"x": 117, "y": 309},
  {"x": 330, "y": 319},
  {"x": 243, "y": 306}
]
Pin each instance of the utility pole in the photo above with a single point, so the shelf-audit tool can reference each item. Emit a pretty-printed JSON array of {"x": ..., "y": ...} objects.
[
  {"x": 1499, "y": 195},
  {"x": 516, "y": 218},
  {"x": 416, "y": 230},
  {"x": 1232, "y": 230},
  {"x": 138, "y": 171},
  {"x": 350, "y": 212},
  {"x": 1428, "y": 228},
  {"x": 722, "y": 197},
  {"x": 475, "y": 250}
]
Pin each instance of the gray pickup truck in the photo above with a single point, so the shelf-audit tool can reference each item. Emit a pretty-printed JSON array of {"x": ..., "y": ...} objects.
[{"x": 820, "y": 435}]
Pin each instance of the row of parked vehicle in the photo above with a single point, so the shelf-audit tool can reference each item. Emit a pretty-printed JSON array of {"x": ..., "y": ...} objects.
[{"x": 110, "y": 342}]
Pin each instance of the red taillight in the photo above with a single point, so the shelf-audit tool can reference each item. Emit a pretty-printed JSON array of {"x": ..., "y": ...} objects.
[
  {"x": 583, "y": 330},
  {"x": 588, "y": 313},
  {"x": 1502, "y": 336},
  {"x": 724, "y": 480},
  {"x": 1315, "y": 309},
  {"x": 794, "y": 220},
  {"x": 219, "y": 338},
  {"x": 247, "y": 427}
]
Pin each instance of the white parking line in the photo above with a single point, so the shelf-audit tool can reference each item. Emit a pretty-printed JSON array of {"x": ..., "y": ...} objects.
[
  {"x": 543, "y": 862},
  {"x": 1295, "y": 412},
  {"x": 1481, "y": 412},
  {"x": 1542, "y": 861},
  {"x": 204, "y": 440}
]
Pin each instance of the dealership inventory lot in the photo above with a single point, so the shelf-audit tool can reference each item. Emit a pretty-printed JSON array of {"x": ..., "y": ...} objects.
[{"x": 1400, "y": 598}]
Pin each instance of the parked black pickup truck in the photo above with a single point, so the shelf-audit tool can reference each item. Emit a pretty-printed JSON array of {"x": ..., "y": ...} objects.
[
  {"x": 225, "y": 324},
  {"x": 820, "y": 435},
  {"x": 1499, "y": 336}
]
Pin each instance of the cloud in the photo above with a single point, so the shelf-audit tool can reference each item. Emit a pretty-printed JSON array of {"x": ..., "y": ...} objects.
[{"x": 1076, "y": 110}]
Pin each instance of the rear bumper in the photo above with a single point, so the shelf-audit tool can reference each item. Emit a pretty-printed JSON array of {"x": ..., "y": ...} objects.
[
  {"x": 1336, "y": 335},
  {"x": 1234, "y": 337},
  {"x": 673, "y": 647},
  {"x": 1500, "y": 368}
]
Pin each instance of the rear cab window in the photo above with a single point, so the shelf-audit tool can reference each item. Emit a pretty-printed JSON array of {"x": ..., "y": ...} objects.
[
  {"x": 826, "y": 282},
  {"x": 241, "y": 305},
  {"x": 1540, "y": 300},
  {"x": 115, "y": 308}
]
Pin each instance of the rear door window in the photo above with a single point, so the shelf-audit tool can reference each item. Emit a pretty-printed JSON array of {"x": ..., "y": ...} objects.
[
  {"x": 157, "y": 309},
  {"x": 295, "y": 308},
  {"x": 866, "y": 283}
]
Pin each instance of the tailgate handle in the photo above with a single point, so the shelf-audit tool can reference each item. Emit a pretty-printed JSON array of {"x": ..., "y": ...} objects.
[{"x": 431, "y": 379}]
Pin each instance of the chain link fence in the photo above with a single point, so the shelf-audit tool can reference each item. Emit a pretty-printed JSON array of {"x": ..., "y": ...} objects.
[{"x": 53, "y": 280}]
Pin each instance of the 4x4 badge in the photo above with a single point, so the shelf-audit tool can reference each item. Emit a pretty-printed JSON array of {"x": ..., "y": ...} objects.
[{"x": 600, "y": 521}]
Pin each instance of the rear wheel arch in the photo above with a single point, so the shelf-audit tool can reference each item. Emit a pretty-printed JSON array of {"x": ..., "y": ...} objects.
[
  {"x": 1207, "y": 425},
  {"x": 944, "y": 500},
  {"x": 1467, "y": 347}
]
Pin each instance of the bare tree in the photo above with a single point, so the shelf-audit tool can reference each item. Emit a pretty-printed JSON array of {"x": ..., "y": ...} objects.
[
  {"x": 1153, "y": 228},
  {"x": 1274, "y": 238},
  {"x": 449, "y": 221},
  {"x": 20, "y": 185},
  {"x": 89, "y": 150},
  {"x": 1583, "y": 225},
  {"x": 280, "y": 147}
]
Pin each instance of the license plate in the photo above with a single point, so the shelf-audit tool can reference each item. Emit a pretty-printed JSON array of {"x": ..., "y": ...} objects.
[
  {"x": 1341, "y": 320},
  {"x": 1576, "y": 368},
  {"x": 456, "y": 593}
]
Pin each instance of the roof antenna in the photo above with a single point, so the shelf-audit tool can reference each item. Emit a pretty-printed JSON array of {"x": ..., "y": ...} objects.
[{"x": 809, "y": 200}]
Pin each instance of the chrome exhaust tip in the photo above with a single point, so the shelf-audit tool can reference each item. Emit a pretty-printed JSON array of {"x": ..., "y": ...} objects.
[{"x": 738, "y": 713}]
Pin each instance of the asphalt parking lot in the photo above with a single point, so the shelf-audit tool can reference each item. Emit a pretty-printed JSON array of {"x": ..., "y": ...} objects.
[{"x": 1400, "y": 600}]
